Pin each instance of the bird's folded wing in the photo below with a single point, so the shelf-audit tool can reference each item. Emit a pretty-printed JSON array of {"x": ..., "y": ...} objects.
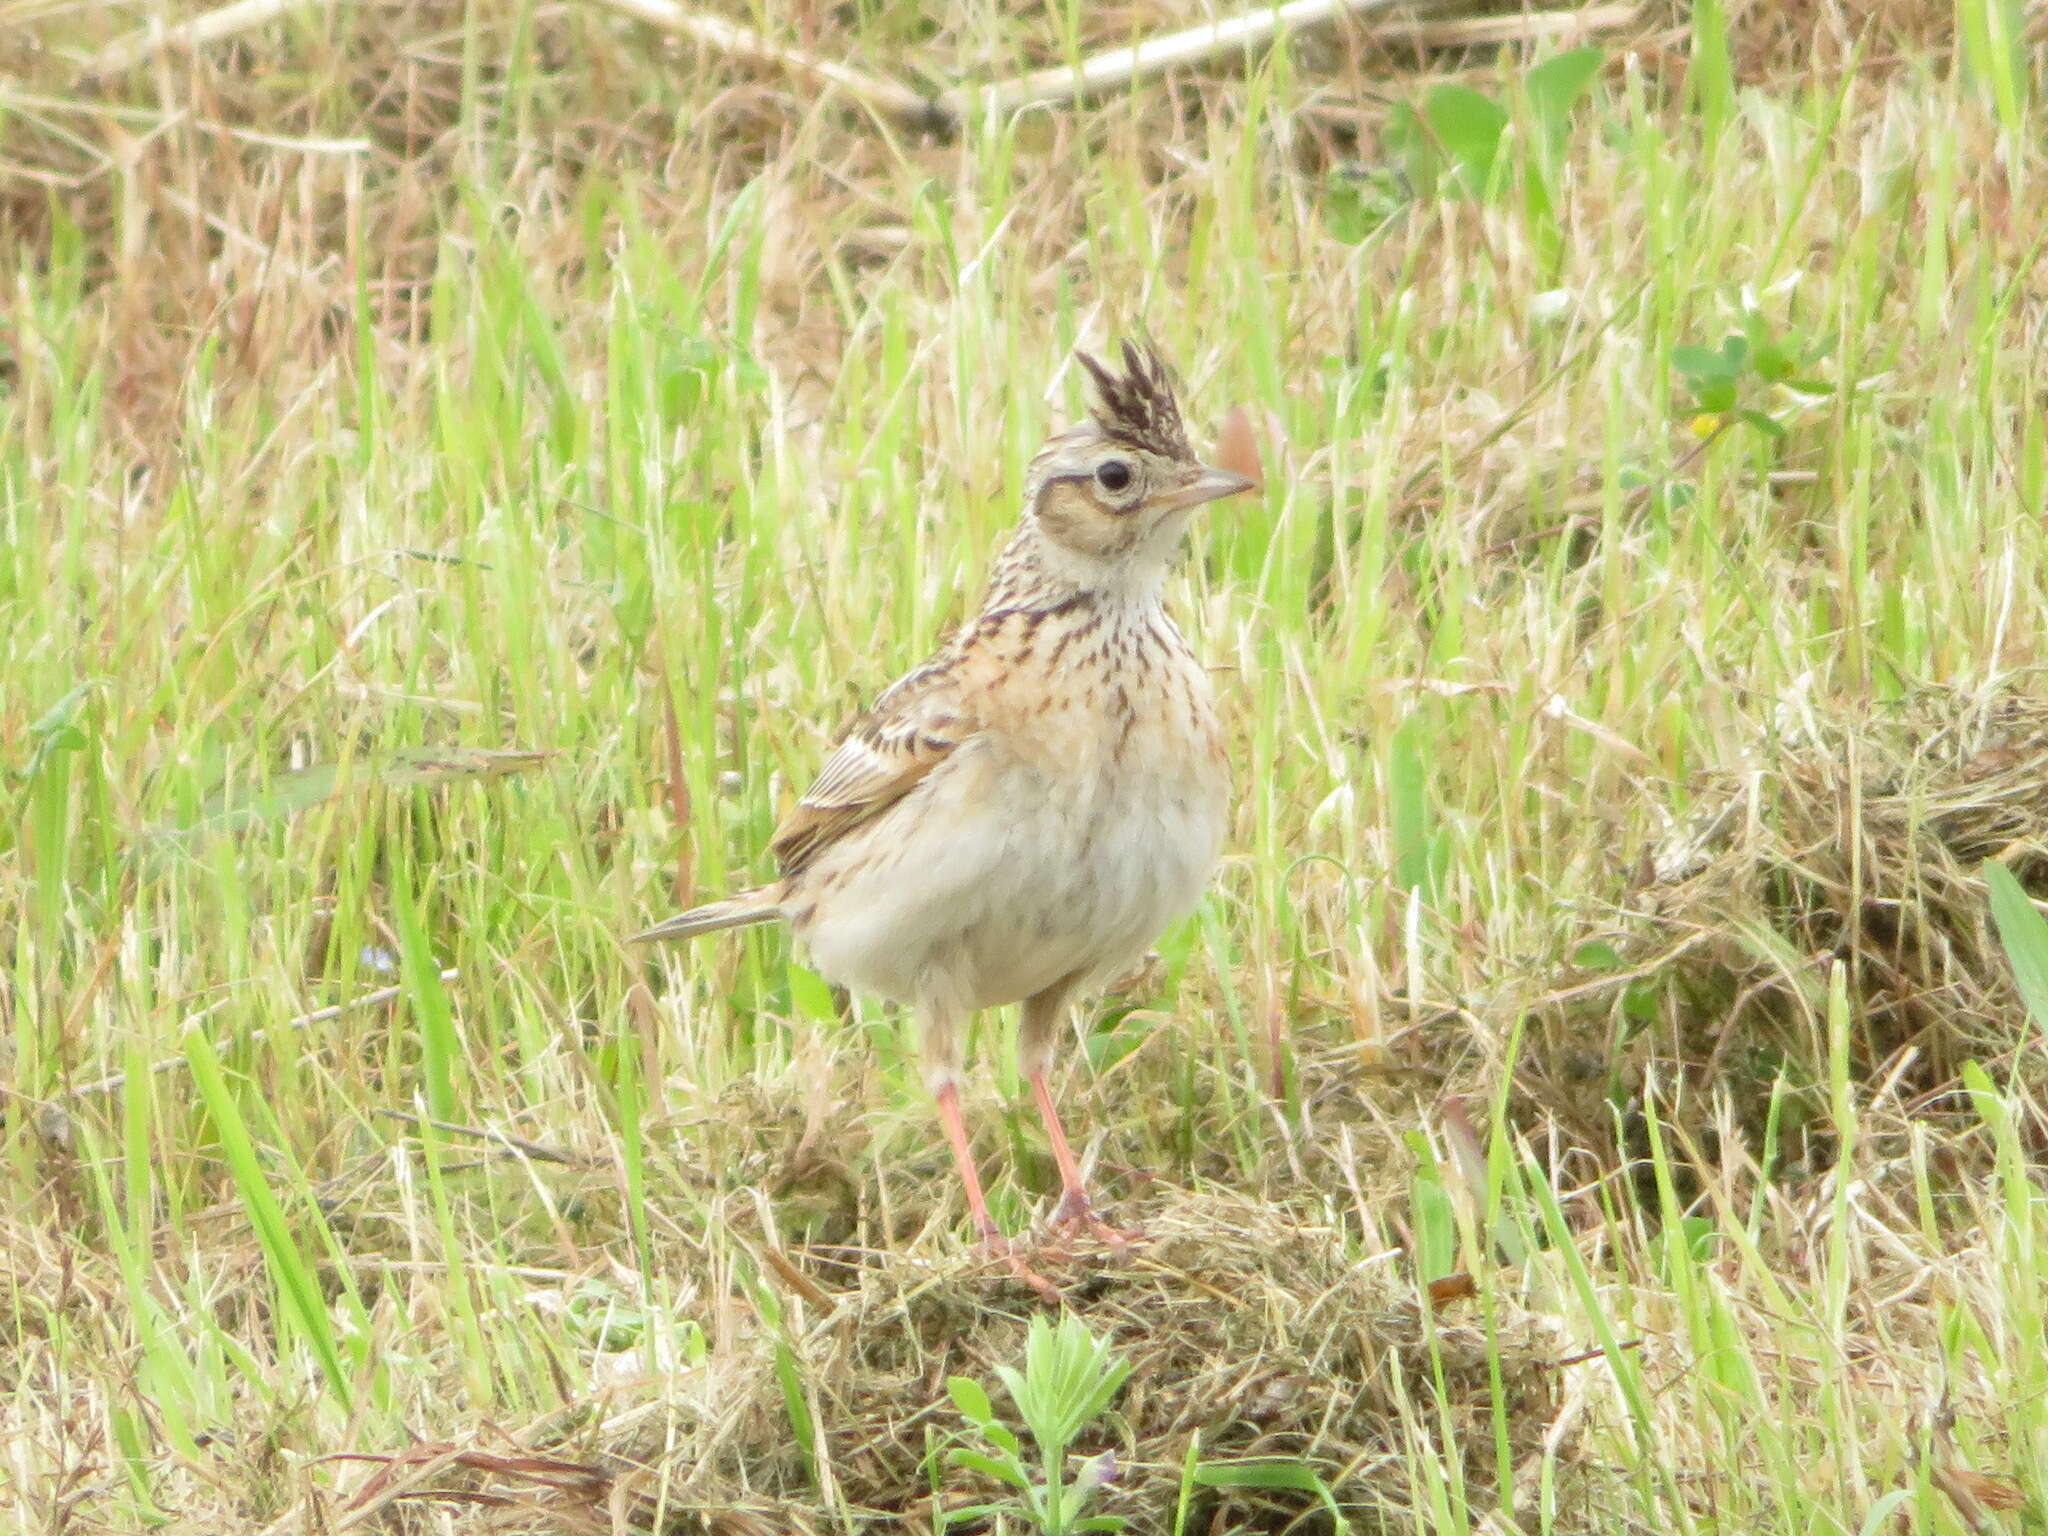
[{"x": 913, "y": 728}]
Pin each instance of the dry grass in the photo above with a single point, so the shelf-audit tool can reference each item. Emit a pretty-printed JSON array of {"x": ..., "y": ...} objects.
[
  {"x": 396, "y": 385},
  {"x": 1263, "y": 1336},
  {"x": 1861, "y": 839},
  {"x": 1847, "y": 835}
]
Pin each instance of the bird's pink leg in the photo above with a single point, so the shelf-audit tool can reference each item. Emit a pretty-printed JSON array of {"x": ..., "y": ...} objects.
[
  {"x": 977, "y": 1203},
  {"x": 956, "y": 1137},
  {"x": 1076, "y": 1209}
]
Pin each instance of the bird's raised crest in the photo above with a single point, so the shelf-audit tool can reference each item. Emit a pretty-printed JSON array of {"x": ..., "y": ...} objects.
[{"x": 1138, "y": 405}]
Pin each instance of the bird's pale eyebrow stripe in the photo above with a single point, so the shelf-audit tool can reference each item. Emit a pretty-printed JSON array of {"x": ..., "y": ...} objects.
[{"x": 1088, "y": 478}]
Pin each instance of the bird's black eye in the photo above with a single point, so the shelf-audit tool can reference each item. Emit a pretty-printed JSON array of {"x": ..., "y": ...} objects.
[{"x": 1114, "y": 475}]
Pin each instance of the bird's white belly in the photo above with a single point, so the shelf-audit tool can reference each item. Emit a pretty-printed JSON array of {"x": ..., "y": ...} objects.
[{"x": 996, "y": 880}]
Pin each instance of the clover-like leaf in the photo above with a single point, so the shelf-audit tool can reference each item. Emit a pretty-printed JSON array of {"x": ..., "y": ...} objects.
[{"x": 970, "y": 1399}]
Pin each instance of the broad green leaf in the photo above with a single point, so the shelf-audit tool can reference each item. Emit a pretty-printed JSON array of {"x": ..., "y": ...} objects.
[
  {"x": 988, "y": 1466},
  {"x": 1640, "y": 1001},
  {"x": 1468, "y": 128},
  {"x": 1698, "y": 364},
  {"x": 1597, "y": 955},
  {"x": 1772, "y": 359},
  {"x": 812, "y": 994},
  {"x": 1555, "y": 85},
  {"x": 1435, "y": 1224},
  {"x": 1296, "y": 1476},
  {"x": 1260, "y": 1474},
  {"x": 969, "y": 1398},
  {"x": 2023, "y": 933},
  {"x": 1105, "y": 1048}
]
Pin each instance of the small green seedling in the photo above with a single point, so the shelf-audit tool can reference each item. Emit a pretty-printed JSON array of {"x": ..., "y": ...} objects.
[
  {"x": 1068, "y": 1380},
  {"x": 1747, "y": 372}
]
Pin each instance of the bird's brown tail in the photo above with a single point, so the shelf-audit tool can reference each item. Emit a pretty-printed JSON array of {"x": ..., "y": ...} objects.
[{"x": 742, "y": 911}]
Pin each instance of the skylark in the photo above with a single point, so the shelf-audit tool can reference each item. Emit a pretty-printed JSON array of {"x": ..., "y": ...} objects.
[{"x": 1017, "y": 819}]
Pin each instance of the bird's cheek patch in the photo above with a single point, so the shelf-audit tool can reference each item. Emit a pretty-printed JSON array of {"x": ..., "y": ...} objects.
[{"x": 1073, "y": 520}]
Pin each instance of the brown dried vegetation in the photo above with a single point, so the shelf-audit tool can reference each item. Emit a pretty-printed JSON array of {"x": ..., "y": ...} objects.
[{"x": 243, "y": 207}]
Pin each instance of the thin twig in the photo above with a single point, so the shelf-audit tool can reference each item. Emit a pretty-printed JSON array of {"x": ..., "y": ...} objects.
[
  {"x": 1253, "y": 30},
  {"x": 1155, "y": 55},
  {"x": 1113, "y": 67},
  {"x": 891, "y": 98},
  {"x": 880, "y": 95},
  {"x": 1586, "y": 1354},
  {"x": 511, "y": 1143},
  {"x": 796, "y": 1279},
  {"x": 208, "y": 27},
  {"x": 1518, "y": 27},
  {"x": 303, "y": 1021}
]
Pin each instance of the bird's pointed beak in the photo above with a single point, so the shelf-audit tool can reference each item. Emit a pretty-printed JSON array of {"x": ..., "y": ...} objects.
[{"x": 1207, "y": 485}]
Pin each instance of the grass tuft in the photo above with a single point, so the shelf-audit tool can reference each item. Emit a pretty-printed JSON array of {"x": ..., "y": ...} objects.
[{"x": 460, "y": 462}]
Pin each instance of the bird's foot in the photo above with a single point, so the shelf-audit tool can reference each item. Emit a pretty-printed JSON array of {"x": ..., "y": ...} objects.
[
  {"x": 1075, "y": 1215},
  {"x": 1000, "y": 1250}
]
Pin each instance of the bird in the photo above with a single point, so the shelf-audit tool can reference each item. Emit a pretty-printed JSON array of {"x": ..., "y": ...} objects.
[{"x": 1016, "y": 820}]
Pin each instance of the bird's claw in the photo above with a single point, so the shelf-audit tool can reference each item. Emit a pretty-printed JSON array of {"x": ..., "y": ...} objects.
[
  {"x": 1075, "y": 1215},
  {"x": 1001, "y": 1250}
]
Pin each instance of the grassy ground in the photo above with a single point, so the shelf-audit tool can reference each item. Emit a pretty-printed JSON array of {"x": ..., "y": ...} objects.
[{"x": 1618, "y": 716}]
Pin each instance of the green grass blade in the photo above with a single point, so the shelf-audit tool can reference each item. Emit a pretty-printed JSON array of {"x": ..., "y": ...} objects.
[{"x": 291, "y": 1270}]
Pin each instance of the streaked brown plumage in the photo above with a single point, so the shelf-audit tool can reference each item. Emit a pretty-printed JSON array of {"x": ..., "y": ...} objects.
[{"x": 1017, "y": 819}]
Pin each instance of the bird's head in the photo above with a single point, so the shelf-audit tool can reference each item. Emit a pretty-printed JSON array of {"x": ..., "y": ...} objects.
[{"x": 1110, "y": 498}]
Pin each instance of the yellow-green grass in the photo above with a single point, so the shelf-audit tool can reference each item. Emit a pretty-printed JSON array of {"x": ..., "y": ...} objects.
[{"x": 393, "y": 387}]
